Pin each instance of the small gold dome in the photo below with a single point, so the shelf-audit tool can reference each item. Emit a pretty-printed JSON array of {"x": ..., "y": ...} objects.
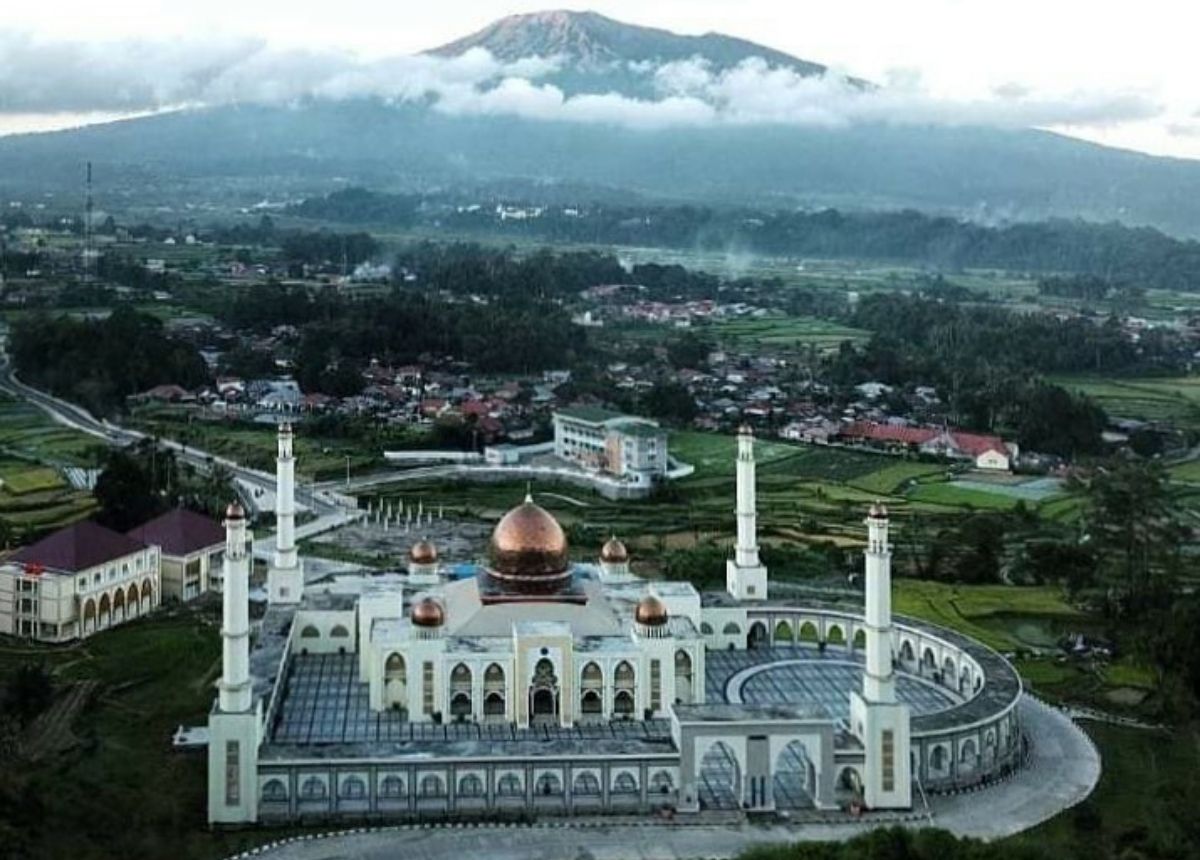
[
  {"x": 529, "y": 549},
  {"x": 650, "y": 612},
  {"x": 878, "y": 511},
  {"x": 745, "y": 429},
  {"x": 427, "y": 612},
  {"x": 614, "y": 552},
  {"x": 423, "y": 552},
  {"x": 234, "y": 512}
]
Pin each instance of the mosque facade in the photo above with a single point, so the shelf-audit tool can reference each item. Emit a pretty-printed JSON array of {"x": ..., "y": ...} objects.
[{"x": 540, "y": 685}]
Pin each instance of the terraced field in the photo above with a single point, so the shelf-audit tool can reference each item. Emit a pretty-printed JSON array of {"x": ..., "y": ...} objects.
[
  {"x": 1171, "y": 399},
  {"x": 778, "y": 330}
]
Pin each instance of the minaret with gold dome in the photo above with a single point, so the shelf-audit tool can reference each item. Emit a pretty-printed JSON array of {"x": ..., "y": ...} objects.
[{"x": 285, "y": 576}]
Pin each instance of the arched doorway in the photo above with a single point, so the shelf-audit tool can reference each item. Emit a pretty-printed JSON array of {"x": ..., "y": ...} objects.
[
  {"x": 783, "y": 633},
  {"x": 624, "y": 681},
  {"x": 89, "y": 616},
  {"x": 795, "y": 778},
  {"x": 147, "y": 596},
  {"x": 118, "y": 607},
  {"x": 720, "y": 778},
  {"x": 543, "y": 693},
  {"x": 105, "y": 612},
  {"x": 460, "y": 692},
  {"x": 683, "y": 677},
  {"x": 757, "y": 636},
  {"x": 131, "y": 602},
  {"x": 395, "y": 683}
]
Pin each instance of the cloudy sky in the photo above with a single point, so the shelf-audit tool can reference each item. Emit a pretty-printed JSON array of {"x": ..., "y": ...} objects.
[{"x": 1120, "y": 73}]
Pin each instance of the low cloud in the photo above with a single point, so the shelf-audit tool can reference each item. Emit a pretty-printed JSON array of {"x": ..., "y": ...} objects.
[{"x": 53, "y": 77}]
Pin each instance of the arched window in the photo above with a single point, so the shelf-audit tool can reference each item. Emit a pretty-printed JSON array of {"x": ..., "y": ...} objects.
[
  {"x": 623, "y": 677},
  {"x": 313, "y": 788},
  {"x": 391, "y": 787},
  {"x": 339, "y": 632},
  {"x": 394, "y": 669},
  {"x": 548, "y": 784},
  {"x": 353, "y": 788},
  {"x": 493, "y": 677},
  {"x": 310, "y": 632},
  {"x": 509, "y": 785},
  {"x": 623, "y": 703},
  {"x": 586, "y": 784},
  {"x": 592, "y": 676},
  {"x": 274, "y": 791},
  {"x": 731, "y": 629},
  {"x": 661, "y": 782},
  {"x": 625, "y": 783},
  {"x": 706, "y": 629},
  {"x": 432, "y": 786},
  {"x": 470, "y": 786}
]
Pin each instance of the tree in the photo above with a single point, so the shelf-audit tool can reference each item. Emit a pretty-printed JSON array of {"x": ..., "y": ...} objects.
[
  {"x": 132, "y": 487},
  {"x": 670, "y": 401},
  {"x": 1132, "y": 528}
]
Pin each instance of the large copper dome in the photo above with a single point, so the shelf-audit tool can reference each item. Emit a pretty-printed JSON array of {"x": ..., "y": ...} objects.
[{"x": 529, "y": 550}]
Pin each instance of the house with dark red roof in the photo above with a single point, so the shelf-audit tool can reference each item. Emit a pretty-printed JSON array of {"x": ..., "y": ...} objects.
[
  {"x": 192, "y": 548},
  {"x": 82, "y": 579},
  {"x": 984, "y": 451}
]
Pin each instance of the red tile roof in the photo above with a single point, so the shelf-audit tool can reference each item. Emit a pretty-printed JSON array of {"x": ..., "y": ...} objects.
[
  {"x": 78, "y": 547},
  {"x": 897, "y": 433},
  {"x": 976, "y": 443},
  {"x": 180, "y": 532}
]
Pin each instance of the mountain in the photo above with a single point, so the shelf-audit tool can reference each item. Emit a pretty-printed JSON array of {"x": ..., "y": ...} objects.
[
  {"x": 239, "y": 154},
  {"x": 590, "y": 40},
  {"x": 598, "y": 54}
]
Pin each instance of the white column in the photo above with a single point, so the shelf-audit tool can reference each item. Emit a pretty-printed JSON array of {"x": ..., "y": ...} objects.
[
  {"x": 747, "y": 530},
  {"x": 235, "y": 688},
  {"x": 285, "y": 501},
  {"x": 878, "y": 682}
]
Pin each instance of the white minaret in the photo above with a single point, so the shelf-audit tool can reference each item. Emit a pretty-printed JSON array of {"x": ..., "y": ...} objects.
[
  {"x": 234, "y": 725},
  {"x": 745, "y": 575},
  {"x": 879, "y": 721},
  {"x": 285, "y": 577}
]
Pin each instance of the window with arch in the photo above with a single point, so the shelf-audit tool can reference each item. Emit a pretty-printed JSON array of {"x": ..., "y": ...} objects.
[
  {"x": 548, "y": 784},
  {"x": 731, "y": 629},
  {"x": 509, "y": 785},
  {"x": 625, "y": 783},
  {"x": 592, "y": 676},
  {"x": 394, "y": 668},
  {"x": 493, "y": 676},
  {"x": 310, "y": 632},
  {"x": 470, "y": 786},
  {"x": 353, "y": 788},
  {"x": 706, "y": 629},
  {"x": 274, "y": 791},
  {"x": 586, "y": 784},
  {"x": 391, "y": 787},
  {"x": 432, "y": 786},
  {"x": 623, "y": 676},
  {"x": 339, "y": 632},
  {"x": 313, "y": 788},
  {"x": 460, "y": 676},
  {"x": 661, "y": 783}
]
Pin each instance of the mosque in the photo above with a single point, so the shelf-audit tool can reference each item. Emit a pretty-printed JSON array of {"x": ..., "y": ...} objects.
[{"x": 549, "y": 687}]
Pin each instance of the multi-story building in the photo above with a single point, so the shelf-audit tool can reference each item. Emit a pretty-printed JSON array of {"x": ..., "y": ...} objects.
[
  {"x": 77, "y": 581},
  {"x": 625, "y": 446},
  {"x": 192, "y": 549}
]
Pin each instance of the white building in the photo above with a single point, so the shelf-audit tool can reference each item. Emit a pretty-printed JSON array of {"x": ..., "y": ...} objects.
[
  {"x": 625, "y": 446},
  {"x": 538, "y": 684},
  {"x": 191, "y": 547},
  {"x": 82, "y": 579}
]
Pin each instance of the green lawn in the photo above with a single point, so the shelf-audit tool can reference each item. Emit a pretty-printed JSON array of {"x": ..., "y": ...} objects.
[
  {"x": 20, "y": 479},
  {"x": 960, "y": 497},
  {"x": 123, "y": 791},
  {"x": 892, "y": 478}
]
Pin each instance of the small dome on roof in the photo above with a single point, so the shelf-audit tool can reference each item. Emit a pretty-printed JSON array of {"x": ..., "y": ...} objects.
[
  {"x": 878, "y": 511},
  {"x": 614, "y": 551},
  {"x": 423, "y": 552},
  {"x": 427, "y": 612},
  {"x": 234, "y": 512},
  {"x": 650, "y": 612},
  {"x": 745, "y": 429}
]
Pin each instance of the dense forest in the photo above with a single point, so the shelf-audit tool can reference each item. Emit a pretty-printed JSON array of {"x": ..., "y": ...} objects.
[
  {"x": 98, "y": 363},
  {"x": 1115, "y": 253}
]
